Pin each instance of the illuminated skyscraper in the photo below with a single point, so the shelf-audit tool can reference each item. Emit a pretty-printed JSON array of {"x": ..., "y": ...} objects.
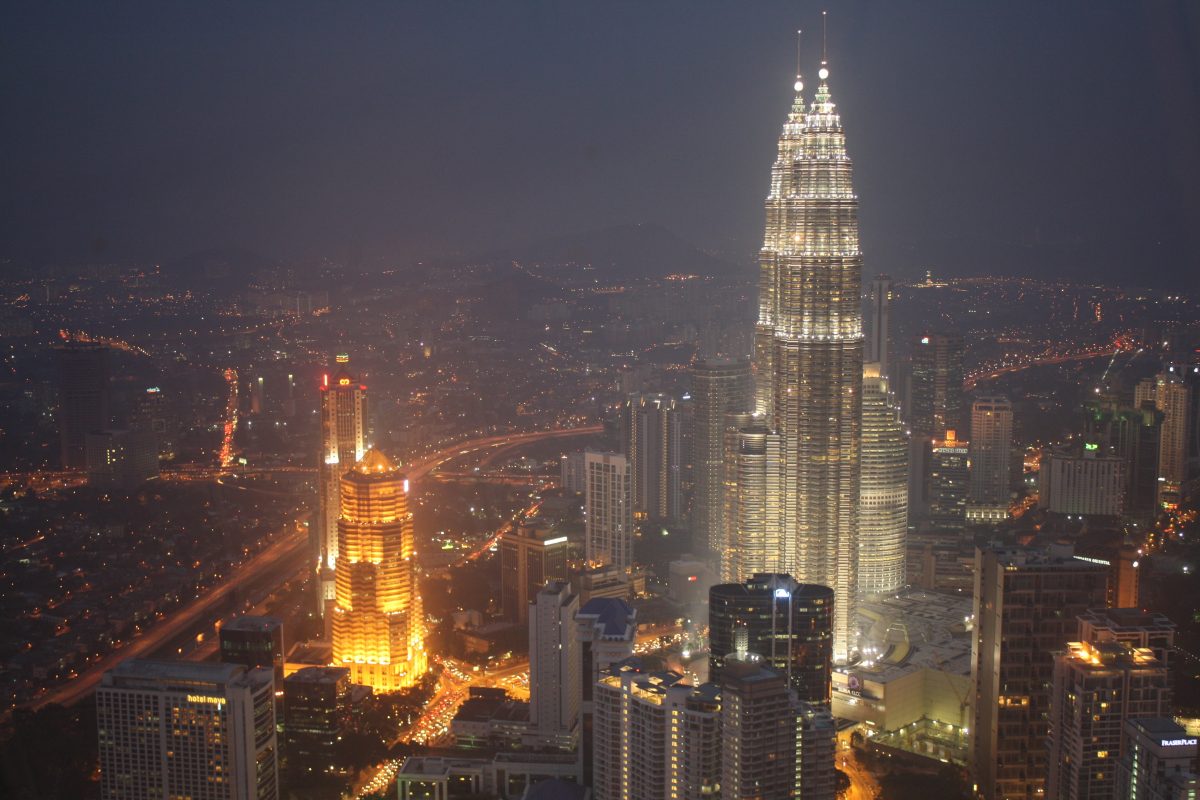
[
  {"x": 808, "y": 350},
  {"x": 949, "y": 477},
  {"x": 1170, "y": 395},
  {"x": 652, "y": 441},
  {"x": 378, "y": 624},
  {"x": 883, "y": 509},
  {"x": 755, "y": 537},
  {"x": 719, "y": 386},
  {"x": 343, "y": 443}
]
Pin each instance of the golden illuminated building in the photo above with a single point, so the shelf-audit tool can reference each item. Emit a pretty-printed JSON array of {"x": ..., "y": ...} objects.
[
  {"x": 378, "y": 624},
  {"x": 343, "y": 443}
]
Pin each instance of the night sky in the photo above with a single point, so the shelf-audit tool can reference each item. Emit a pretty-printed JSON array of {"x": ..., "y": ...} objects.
[{"x": 1004, "y": 136}]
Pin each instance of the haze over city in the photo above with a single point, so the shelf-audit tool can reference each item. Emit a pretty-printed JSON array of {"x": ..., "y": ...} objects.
[{"x": 600, "y": 401}]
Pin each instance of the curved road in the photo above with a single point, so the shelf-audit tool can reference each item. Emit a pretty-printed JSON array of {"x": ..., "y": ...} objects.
[{"x": 290, "y": 546}]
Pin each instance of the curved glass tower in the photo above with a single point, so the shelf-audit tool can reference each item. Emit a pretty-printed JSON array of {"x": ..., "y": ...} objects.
[{"x": 808, "y": 351}]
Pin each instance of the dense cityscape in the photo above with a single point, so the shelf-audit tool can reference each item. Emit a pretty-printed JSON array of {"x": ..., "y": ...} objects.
[{"x": 611, "y": 516}]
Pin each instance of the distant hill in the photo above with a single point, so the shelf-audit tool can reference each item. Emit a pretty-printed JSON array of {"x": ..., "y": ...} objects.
[
  {"x": 224, "y": 268},
  {"x": 619, "y": 253}
]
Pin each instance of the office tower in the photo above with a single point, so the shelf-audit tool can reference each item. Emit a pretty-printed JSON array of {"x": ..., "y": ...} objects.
[
  {"x": 531, "y": 553},
  {"x": 1133, "y": 434},
  {"x": 883, "y": 493},
  {"x": 756, "y": 540},
  {"x": 1082, "y": 482},
  {"x": 343, "y": 444},
  {"x": 555, "y": 690},
  {"x": 155, "y": 414},
  {"x": 171, "y": 729},
  {"x": 948, "y": 482},
  {"x": 378, "y": 624},
  {"x": 315, "y": 713},
  {"x": 254, "y": 642},
  {"x": 608, "y": 523},
  {"x": 719, "y": 387},
  {"x": 652, "y": 442},
  {"x": 789, "y": 624},
  {"x": 991, "y": 458},
  {"x": 808, "y": 351},
  {"x": 83, "y": 398},
  {"x": 1026, "y": 605},
  {"x": 816, "y": 753},
  {"x": 120, "y": 459},
  {"x": 1158, "y": 761},
  {"x": 656, "y": 738},
  {"x": 935, "y": 385},
  {"x": 1097, "y": 689},
  {"x": 572, "y": 475},
  {"x": 878, "y": 325},
  {"x": 760, "y": 727},
  {"x": 1170, "y": 395}
]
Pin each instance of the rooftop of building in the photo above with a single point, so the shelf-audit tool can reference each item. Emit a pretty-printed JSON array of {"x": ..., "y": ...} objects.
[
  {"x": 1158, "y": 725},
  {"x": 1128, "y": 619},
  {"x": 252, "y": 624},
  {"x": 764, "y": 584},
  {"x": 198, "y": 671},
  {"x": 487, "y": 708},
  {"x": 319, "y": 675},
  {"x": 615, "y": 617},
  {"x": 1057, "y": 556},
  {"x": 912, "y": 630},
  {"x": 1111, "y": 655}
]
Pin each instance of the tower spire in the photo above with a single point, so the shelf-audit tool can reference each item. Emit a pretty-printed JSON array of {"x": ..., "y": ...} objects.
[
  {"x": 799, "y": 78},
  {"x": 824, "y": 71}
]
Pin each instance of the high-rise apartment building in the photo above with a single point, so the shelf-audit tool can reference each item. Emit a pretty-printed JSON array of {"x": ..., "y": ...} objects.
[
  {"x": 816, "y": 753},
  {"x": 1097, "y": 689},
  {"x": 991, "y": 458},
  {"x": 878, "y": 325},
  {"x": 378, "y": 623},
  {"x": 608, "y": 511},
  {"x": 759, "y": 723},
  {"x": 343, "y": 444},
  {"x": 789, "y": 624},
  {"x": 1158, "y": 761},
  {"x": 83, "y": 398},
  {"x": 555, "y": 689},
  {"x": 935, "y": 391},
  {"x": 656, "y": 738},
  {"x": 808, "y": 350},
  {"x": 1026, "y": 605},
  {"x": 155, "y": 414},
  {"x": 883, "y": 493},
  {"x": 606, "y": 628},
  {"x": 719, "y": 387},
  {"x": 571, "y": 471},
  {"x": 1140, "y": 629},
  {"x": 949, "y": 482},
  {"x": 254, "y": 642},
  {"x": 531, "y": 553},
  {"x": 652, "y": 439},
  {"x": 170, "y": 729},
  {"x": 1170, "y": 394}
]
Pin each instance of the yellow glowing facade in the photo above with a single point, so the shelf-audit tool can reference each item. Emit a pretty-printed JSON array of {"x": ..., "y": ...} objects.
[{"x": 378, "y": 623}]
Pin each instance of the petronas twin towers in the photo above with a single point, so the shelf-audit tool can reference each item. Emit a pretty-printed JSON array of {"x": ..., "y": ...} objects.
[{"x": 808, "y": 367}]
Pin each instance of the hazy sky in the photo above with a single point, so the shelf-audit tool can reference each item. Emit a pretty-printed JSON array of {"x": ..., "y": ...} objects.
[{"x": 396, "y": 130}]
